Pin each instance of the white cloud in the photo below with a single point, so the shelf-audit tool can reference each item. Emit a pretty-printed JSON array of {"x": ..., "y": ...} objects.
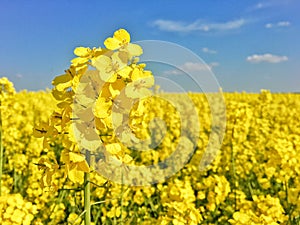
[
  {"x": 190, "y": 67},
  {"x": 262, "y": 5},
  {"x": 269, "y": 25},
  {"x": 210, "y": 51},
  {"x": 177, "y": 26},
  {"x": 269, "y": 58},
  {"x": 268, "y": 4},
  {"x": 214, "y": 64},
  {"x": 258, "y": 6},
  {"x": 278, "y": 24},
  {"x": 283, "y": 23},
  {"x": 19, "y": 75}
]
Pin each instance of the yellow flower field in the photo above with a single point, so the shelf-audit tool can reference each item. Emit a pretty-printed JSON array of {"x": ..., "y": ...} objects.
[{"x": 253, "y": 180}]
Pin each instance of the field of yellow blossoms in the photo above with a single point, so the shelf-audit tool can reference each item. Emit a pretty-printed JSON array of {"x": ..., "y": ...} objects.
[{"x": 253, "y": 180}]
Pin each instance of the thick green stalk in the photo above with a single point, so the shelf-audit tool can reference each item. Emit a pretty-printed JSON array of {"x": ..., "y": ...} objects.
[{"x": 87, "y": 194}]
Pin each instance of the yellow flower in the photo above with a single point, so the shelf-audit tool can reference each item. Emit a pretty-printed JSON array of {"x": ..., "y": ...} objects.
[
  {"x": 121, "y": 37},
  {"x": 109, "y": 66},
  {"x": 139, "y": 197},
  {"x": 6, "y": 88},
  {"x": 114, "y": 148},
  {"x": 73, "y": 219},
  {"x": 76, "y": 166},
  {"x": 102, "y": 107},
  {"x": 242, "y": 218},
  {"x": 141, "y": 82},
  {"x": 114, "y": 212},
  {"x": 82, "y": 51},
  {"x": 18, "y": 216},
  {"x": 121, "y": 40}
]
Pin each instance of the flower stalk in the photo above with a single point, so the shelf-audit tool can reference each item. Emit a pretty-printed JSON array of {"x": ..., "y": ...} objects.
[{"x": 87, "y": 193}]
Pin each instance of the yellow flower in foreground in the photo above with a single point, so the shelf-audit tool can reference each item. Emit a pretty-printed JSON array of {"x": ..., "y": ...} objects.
[
  {"x": 141, "y": 82},
  {"x": 82, "y": 51},
  {"x": 76, "y": 166},
  {"x": 102, "y": 108},
  {"x": 109, "y": 66},
  {"x": 121, "y": 39}
]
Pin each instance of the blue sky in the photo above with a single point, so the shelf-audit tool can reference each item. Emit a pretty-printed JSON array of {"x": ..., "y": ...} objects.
[{"x": 249, "y": 45}]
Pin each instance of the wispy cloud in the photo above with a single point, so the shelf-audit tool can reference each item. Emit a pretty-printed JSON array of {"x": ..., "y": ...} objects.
[
  {"x": 278, "y": 24},
  {"x": 198, "y": 25},
  {"x": 268, "y": 4},
  {"x": 269, "y": 58},
  {"x": 258, "y": 6},
  {"x": 213, "y": 64},
  {"x": 209, "y": 51},
  {"x": 191, "y": 67},
  {"x": 261, "y": 5},
  {"x": 19, "y": 75}
]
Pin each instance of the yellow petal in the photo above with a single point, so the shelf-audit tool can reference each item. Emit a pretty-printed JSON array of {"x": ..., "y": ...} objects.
[
  {"x": 99, "y": 51},
  {"x": 101, "y": 108},
  {"x": 37, "y": 133},
  {"x": 61, "y": 79},
  {"x": 148, "y": 81},
  {"x": 118, "y": 61},
  {"x": 104, "y": 65},
  {"x": 63, "y": 86},
  {"x": 114, "y": 148},
  {"x": 74, "y": 157},
  {"x": 100, "y": 125},
  {"x": 132, "y": 92},
  {"x": 112, "y": 43},
  {"x": 79, "y": 61},
  {"x": 122, "y": 35},
  {"x": 241, "y": 217},
  {"x": 134, "y": 49},
  {"x": 82, "y": 51},
  {"x": 116, "y": 87},
  {"x": 102, "y": 62},
  {"x": 117, "y": 119},
  {"x": 108, "y": 122},
  {"x": 76, "y": 176},
  {"x": 65, "y": 157},
  {"x": 108, "y": 77},
  {"x": 105, "y": 93},
  {"x": 83, "y": 166},
  {"x": 41, "y": 130},
  {"x": 136, "y": 74},
  {"x": 123, "y": 102},
  {"x": 124, "y": 56},
  {"x": 124, "y": 72},
  {"x": 127, "y": 159},
  {"x": 139, "y": 73}
]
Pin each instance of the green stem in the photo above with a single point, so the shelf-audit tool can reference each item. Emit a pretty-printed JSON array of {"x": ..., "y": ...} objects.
[
  {"x": 1, "y": 152},
  {"x": 87, "y": 193}
]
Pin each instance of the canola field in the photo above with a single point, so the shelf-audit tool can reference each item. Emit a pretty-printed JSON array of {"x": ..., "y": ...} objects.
[{"x": 254, "y": 178}]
